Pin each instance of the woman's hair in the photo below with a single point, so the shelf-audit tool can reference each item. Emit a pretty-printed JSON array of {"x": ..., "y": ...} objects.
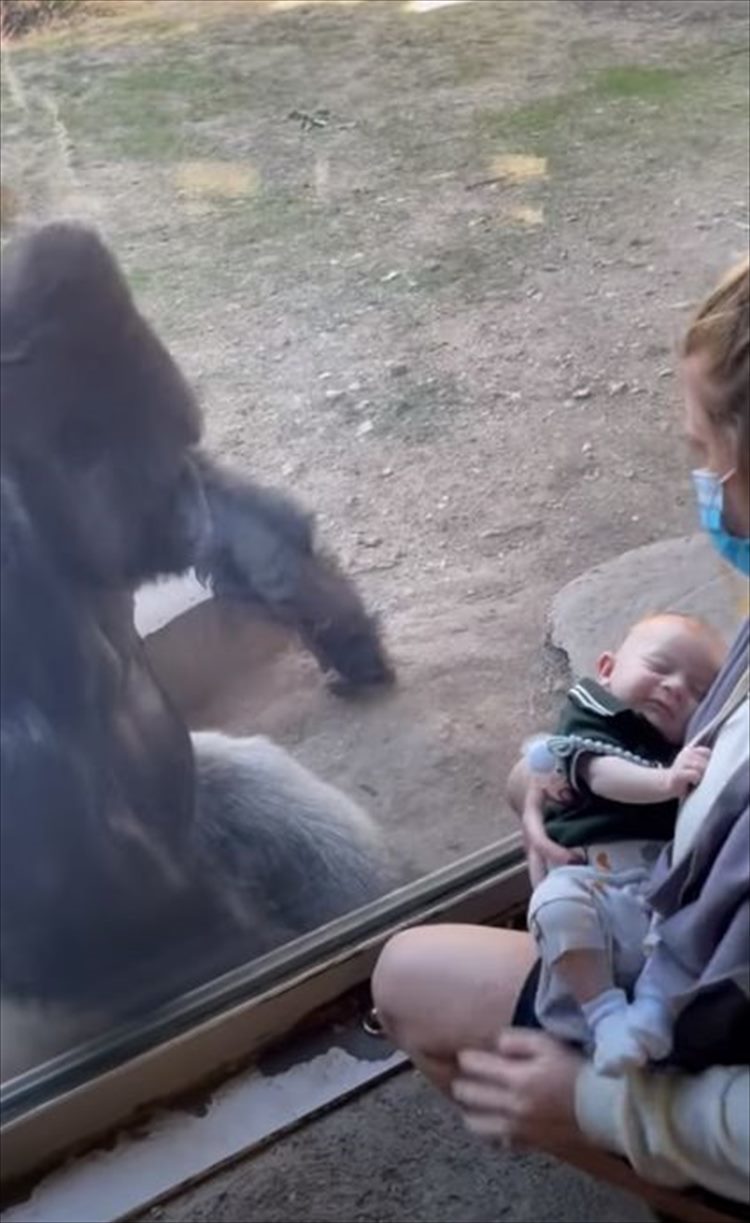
[{"x": 720, "y": 333}]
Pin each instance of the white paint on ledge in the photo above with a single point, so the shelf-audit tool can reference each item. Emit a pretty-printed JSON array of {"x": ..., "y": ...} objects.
[{"x": 105, "y": 1186}]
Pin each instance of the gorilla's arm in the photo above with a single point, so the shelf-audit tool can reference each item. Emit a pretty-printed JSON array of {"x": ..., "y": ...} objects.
[{"x": 259, "y": 550}]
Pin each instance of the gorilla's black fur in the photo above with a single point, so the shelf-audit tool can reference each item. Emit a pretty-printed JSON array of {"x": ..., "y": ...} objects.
[{"x": 137, "y": 860}]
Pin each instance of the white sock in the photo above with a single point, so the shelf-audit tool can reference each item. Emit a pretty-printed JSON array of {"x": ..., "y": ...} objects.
[
  {"x": 615, "y": 1046},
  {"x": 609, "y": 1002},
  {"x": 651, "y": 1024}
]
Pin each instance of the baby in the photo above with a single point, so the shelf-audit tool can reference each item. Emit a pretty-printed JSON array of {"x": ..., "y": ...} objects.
[{"x": 609, "y": 784}]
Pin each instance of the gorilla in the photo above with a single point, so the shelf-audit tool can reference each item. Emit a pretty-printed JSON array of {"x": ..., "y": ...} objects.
[{"x": 138, "y": 860}]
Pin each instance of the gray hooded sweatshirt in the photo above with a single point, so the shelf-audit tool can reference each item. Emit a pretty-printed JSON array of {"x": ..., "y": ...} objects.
[{"x": 701, "y": 961}]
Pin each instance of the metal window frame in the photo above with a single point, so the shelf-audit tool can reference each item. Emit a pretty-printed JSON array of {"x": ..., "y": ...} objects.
[{"x": 74, "y": 1101}]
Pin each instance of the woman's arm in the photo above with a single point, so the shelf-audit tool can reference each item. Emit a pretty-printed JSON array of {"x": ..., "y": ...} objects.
[{"x": 675, "y": 1129}]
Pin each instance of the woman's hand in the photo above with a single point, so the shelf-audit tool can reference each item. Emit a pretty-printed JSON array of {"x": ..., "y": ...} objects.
[{"x": 524, "y": 1094}]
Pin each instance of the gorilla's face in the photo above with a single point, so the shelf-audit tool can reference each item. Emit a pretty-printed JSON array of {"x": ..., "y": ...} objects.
[
  {"x": 122, "y": 515},
  {"x": 137, "y": 519},
  {"x": 172, "y": 528},
  {"x": 97, "y": 420}
]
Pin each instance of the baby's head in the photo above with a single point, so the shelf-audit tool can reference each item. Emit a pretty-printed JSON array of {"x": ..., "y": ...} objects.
[{"x": 663, "y": 669}]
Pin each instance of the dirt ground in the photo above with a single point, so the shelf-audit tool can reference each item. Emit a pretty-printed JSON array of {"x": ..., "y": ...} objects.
[{"x": 427, "y": 267}]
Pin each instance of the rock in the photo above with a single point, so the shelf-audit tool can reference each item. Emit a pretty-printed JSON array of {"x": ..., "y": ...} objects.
[
  {"x": 583, "y": 392},
  {"x": 594, "y": 612},
  {"x": 587, "y": 448},
  {"x": 617, "y": 388},
  {"x": 397, "y": 369},
  {"x": 364, "y": 428},
  {"x": 334, "y": 396}
]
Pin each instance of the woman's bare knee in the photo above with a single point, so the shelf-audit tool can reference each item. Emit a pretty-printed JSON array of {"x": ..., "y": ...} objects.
[
  {"x": 439, "y": 989},
  {"x": 393, "y": 984}
]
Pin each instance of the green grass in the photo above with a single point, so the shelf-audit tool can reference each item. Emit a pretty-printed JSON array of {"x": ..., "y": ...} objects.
[
  {"x": 647, "y": 84},
  {"x": 145, "y": 109},
  {"x": 141, "y": 110},
  {"x": 600, "y": 106}
]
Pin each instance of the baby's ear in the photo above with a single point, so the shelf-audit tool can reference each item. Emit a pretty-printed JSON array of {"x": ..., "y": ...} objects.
[{"x": 605, "y": 666}]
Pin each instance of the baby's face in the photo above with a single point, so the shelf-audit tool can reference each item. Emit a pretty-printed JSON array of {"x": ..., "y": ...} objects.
[{"x": 663, "y": 670}]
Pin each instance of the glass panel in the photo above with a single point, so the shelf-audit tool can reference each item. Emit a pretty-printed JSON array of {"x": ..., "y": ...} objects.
[
  {"x": 420, "y": 263},
  {"x": 497, "y": 875}
]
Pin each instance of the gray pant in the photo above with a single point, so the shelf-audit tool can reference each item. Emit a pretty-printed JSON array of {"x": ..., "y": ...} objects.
[{"x": 599, "y": 906}]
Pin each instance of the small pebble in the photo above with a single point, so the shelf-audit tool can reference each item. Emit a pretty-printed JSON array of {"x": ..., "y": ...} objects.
[{"x": 364, "y": 428}]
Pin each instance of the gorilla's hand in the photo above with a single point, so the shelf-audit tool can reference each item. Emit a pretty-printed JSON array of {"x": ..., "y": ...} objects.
[{"x": 260, "y": 550}]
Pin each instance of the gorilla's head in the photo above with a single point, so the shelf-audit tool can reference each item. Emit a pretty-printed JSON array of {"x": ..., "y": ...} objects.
[{"x": 96, "y": 418}]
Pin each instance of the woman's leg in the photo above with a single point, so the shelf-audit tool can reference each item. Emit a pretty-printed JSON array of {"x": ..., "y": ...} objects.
[{"x": 440, "y": 989}]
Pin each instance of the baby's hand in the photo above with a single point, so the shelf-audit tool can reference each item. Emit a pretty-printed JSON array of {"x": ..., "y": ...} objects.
[{"x": 687, "y": 771}]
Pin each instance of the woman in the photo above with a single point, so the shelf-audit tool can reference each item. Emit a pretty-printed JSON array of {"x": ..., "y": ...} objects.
[{"x": 451, "y": 996}]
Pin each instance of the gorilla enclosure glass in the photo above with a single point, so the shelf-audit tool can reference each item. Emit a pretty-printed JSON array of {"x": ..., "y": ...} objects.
[{"x": 376, "y": 264}]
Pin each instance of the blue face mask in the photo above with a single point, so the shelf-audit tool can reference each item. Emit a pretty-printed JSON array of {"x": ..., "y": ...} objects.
[{"x": 709, "y": 490}]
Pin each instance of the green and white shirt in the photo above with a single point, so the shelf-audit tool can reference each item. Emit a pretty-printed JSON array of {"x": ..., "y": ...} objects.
[{"x": 595, "y": 723}]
